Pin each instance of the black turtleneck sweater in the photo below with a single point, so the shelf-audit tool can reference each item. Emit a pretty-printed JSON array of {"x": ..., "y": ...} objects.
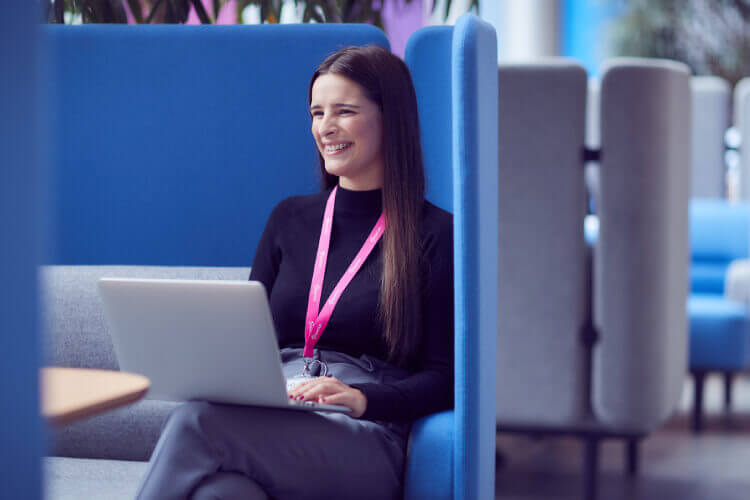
[{"x": 284, "y": 264}]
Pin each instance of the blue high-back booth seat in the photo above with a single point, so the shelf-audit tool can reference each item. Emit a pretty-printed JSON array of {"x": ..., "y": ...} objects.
[
  {"x": 455, "y": 75},
  {"x": 172, "y": 144},
  {"x": 719, "y": 329}
]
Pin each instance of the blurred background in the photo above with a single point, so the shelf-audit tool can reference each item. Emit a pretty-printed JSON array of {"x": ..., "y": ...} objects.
[{"x": 699, "y": 450}]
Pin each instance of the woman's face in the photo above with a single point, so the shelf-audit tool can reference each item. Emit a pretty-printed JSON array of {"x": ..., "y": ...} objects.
[{"x": 348, "y": 130}]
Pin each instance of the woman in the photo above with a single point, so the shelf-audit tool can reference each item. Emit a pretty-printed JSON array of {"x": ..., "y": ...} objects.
[{"x": 381, "y": 344}]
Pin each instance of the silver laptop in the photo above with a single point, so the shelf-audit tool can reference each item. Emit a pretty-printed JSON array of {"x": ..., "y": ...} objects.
[{"x": 199, "y": 339}]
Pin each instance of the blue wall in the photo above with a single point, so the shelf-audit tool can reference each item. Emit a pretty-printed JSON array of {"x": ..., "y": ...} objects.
[{"x": 20, "y": 426}]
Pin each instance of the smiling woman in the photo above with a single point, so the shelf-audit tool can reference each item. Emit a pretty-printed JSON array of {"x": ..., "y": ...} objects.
[
  {"x": 360, "y": 282},
  {"x": 347, "y": 127}
]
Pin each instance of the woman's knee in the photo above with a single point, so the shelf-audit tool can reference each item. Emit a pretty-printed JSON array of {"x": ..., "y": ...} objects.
[
  {"x": 194, "y": 416},
  {"x": 228, "y": 486}
]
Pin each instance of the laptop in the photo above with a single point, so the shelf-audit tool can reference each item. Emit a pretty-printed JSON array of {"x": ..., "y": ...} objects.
[{"x": 200, "y": 339}]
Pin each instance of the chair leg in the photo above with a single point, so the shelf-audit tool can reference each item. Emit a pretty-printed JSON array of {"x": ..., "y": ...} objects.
[
  {"x": 591, "y": 468},
  {"x": 631, "y": 450},
  {"x": 698, "y": 379},
  {"x": 728, "y": 383}
]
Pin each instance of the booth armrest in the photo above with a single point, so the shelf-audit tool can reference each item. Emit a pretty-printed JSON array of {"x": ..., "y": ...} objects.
[{"x": 429, "y": 469}]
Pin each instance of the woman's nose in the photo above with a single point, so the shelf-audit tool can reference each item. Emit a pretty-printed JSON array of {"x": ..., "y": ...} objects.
[{"x": 327, "y": 126}]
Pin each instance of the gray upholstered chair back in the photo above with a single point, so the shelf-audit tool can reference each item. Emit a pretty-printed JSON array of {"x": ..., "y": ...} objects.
[
  {"x": 711, "y": 119},
  {"x": 76, "y": 330},
  {"x": 593, "y": 138},
  {"x": 742, "y": 122},
  {"x": 541, "y": 247},
  {"x": 641, "y": 263}
]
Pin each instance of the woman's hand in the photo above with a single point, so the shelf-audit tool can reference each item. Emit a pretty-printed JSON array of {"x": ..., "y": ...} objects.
[{"x": 331, "y": 391}]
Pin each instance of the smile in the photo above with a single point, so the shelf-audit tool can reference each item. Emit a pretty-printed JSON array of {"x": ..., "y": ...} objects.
[{"x": 335, "y": 149}]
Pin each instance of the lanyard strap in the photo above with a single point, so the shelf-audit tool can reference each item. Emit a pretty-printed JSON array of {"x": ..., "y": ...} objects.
[{"x": 315, "y": 323}]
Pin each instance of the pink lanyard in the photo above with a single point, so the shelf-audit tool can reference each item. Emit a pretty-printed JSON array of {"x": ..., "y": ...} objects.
[{"x": 315, "y": 323}]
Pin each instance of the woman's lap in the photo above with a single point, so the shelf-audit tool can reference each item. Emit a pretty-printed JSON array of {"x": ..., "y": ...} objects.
[{"x": 290, "y": 454}]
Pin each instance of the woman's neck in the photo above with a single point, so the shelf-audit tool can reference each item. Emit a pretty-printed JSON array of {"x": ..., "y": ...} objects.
[{"x": 361, "y": 183}]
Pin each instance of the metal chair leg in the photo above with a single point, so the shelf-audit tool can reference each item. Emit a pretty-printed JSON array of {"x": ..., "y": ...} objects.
[
  {"x": 698, "y": 379},
  {"x": 591, "y": 468},
  {"x": 728, "y": 383},
  {"x": 631, "y": 450}
]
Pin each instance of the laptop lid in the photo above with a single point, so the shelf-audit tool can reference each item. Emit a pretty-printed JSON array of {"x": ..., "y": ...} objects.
[{"x": 197, "y": 339}]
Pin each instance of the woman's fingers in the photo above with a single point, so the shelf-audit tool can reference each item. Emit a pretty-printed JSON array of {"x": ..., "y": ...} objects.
[
  {"x": 351, "y": 398},
  {"x": 302, "y": 386},
  {"x": 321, "y": 388},
  {"x": 304, "y": 389},
  {"x": 329, "y": 390}
]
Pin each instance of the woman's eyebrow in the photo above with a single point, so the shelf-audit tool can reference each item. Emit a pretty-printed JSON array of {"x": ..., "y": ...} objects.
[{"x": 336, "y": 105}]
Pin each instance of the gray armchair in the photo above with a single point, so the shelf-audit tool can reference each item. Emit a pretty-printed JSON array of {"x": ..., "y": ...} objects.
[{"x": 592, "y": 341}]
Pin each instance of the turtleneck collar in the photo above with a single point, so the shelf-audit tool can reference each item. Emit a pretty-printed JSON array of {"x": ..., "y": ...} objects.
[{"x": 361, "y": 202}]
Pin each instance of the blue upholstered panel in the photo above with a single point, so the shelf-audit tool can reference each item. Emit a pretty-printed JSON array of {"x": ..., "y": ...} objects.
[
  {"x": 456, "y": 68},
  {"x": 475, "y": 218},
  {"x": 719, "y": 333},
  {"x": 21, "y": 180},
  {"x": 428, "y": 55},
  {"x": 173, "y": 143},
  {"x": 429, "y": 475},
  {"x": 708, "y": 276},
  {"x": 719, "y": 233}
]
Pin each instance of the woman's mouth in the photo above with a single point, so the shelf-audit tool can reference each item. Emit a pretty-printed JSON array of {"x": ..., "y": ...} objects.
[{"x": 337, "y": 149}]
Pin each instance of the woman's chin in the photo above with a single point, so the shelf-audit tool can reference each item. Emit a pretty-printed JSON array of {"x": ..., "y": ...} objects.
[{"x": 337, "y": 170}]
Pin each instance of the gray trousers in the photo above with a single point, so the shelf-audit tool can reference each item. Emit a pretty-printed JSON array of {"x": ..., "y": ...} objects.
[{"x": 219, "y": 451}]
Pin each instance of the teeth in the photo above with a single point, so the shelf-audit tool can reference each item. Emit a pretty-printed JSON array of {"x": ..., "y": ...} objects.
[{"x": 336, "y": 147}]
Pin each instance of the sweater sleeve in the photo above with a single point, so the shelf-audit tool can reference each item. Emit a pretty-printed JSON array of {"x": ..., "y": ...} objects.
[
  {"x": 429, "y": 388},
  {"x": 268, "y": 254}
]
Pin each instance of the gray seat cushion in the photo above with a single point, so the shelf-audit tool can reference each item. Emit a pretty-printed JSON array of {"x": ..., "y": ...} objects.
[
  {"x": 79, "y": 478},
  {"x": 128, "y": 433}
]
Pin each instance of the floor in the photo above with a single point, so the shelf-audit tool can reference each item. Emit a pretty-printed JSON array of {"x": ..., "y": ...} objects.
[{"x": 675, "y": 464}]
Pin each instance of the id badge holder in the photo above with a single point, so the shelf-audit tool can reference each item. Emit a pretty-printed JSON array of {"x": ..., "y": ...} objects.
[
  {"x": 306, "y": 375},
  {"x": 293, "y": 382}
]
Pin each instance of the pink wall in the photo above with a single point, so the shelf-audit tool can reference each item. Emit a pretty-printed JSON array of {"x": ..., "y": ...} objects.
[{"x": 401, "y": 19}]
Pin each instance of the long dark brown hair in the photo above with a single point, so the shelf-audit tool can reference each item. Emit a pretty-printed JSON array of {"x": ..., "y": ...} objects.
[{"x": 387, "y": 82}]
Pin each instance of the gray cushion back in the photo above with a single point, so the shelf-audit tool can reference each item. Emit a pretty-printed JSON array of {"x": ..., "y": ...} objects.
[
  {"x": 541, "y": 247},
  {"x": 742, "y": 122},
  {"x": 710, "y": 122},
  {"x": 642, "y": 256},
  {"x": 77, "y": 335}
]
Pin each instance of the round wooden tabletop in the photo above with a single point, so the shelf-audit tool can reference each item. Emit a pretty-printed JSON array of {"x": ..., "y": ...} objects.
[{"x": 69, "y": 394}]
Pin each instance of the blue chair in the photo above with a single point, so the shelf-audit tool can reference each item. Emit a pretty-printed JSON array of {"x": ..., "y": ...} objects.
[
  {"x": 719, "y": 331},
  {"x": 161, "y": 141},
  {"x": 454, "y": 69}
]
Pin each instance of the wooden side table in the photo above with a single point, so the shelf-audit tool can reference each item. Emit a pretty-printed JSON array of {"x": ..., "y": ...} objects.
[{"x": 70, "y": 394}]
